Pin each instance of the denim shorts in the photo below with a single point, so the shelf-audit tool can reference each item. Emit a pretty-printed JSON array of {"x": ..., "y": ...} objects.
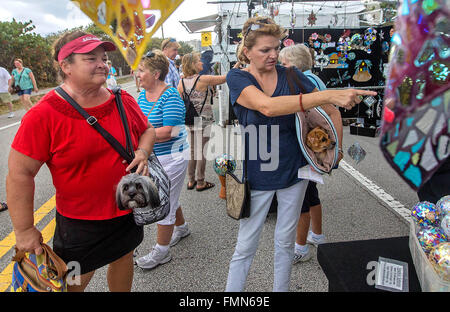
[{"x": 22, "y": 92}]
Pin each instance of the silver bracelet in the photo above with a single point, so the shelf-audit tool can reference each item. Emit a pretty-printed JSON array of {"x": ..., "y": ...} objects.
[{"x": 143, "y": 150}]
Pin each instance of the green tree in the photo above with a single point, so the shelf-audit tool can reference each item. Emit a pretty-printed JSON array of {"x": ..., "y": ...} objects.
[
  {"x": 185, "y": 48},
  {"x": 19, "y": 41}
]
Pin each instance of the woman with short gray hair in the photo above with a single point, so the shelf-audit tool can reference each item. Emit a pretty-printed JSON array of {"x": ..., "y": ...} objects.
[{"x": 297, "y": 55}]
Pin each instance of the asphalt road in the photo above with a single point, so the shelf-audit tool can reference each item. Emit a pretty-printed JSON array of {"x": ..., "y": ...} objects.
[{"x": 352, "y": 211}]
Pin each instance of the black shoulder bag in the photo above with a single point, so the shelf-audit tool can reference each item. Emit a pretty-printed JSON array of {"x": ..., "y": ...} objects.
[
  {"x": 16, "y": 89},
  {"x": 191, "y": 112},
  {"x": 156, "y": 170}
]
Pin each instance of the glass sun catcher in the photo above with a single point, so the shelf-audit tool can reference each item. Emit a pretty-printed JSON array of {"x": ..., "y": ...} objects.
[{"x": 129, "y": 23}]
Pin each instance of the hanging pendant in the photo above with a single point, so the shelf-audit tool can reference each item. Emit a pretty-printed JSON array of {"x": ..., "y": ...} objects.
[
  {"x": 312, "y": 19},
  {"x": 356, "y": 152}
]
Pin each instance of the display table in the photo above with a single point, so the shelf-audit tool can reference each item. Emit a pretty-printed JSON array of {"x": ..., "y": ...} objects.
[{"x": 345, "y": 264}]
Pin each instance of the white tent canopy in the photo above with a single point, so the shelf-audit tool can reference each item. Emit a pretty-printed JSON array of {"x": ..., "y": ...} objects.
[
  {"x": 200, "y": 24},
  {"x": 334, "y": 13}
]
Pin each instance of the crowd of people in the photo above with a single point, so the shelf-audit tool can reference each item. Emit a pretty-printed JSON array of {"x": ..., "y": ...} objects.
[{"x": 90, "y": 228}]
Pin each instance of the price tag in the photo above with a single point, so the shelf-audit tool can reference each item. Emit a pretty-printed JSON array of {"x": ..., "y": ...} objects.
[{"x": 392, "y": 275}]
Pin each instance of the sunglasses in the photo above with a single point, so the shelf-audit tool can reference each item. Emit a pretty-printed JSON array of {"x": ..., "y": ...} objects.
[
  {"x": 257, "y": 25},
  {"x": 150, "y": 54},
  {"x": 170, "y": 41}
]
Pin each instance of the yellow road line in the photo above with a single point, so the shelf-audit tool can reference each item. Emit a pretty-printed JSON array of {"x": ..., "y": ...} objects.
[
  {"x": 47, "y": 234},
  {"x": 9, "y": 241}
]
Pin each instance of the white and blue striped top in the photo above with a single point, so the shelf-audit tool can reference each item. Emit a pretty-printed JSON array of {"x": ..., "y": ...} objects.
[{"x": 169, "y": 110}]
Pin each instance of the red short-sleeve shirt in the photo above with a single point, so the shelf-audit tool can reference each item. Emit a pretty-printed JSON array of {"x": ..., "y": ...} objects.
[{"x": 84, "y": 167}]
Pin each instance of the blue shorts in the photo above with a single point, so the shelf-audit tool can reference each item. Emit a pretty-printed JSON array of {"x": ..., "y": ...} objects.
[
  {"x": 22, "y": 92},
  {"x": 311, "y": 197}
]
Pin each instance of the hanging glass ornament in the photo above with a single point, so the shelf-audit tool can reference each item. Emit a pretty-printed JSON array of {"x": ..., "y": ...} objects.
[
  {"x": 312, "y": 19},
  {"x": 425, "y": 54},
  {"x": 419, "y": 87},
  {"x": 429, "y": 6},
  {"x": 405, "y": 91},
  {"x": 293, "y": 18},
  {"x": 441, "y": 46},
  {"x": 439, "y": 72}
]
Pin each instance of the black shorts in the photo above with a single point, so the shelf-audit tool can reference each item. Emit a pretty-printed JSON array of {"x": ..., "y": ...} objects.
[
  {"x": 311, "y": 197},
  {"x": 95, "y": 243}
]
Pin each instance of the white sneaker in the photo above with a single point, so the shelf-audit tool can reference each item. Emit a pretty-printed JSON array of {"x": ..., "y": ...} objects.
[
  {"x": 153, "y": 259},
  {"x": 314, "y": 241},
  {"x": 11, "y": 115},
  {"x": 302, "y": 257},
  {"x": 178, "y": 234}
]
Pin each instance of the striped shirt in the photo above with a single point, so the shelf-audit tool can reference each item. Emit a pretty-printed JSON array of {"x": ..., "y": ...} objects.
[
  {"x": 173, "y": 77},
  {"x": 169, "y": 110}
]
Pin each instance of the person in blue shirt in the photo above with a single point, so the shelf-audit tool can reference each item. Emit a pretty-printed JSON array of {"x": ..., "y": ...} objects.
[
  {"x": 299, "y": 55},
  {"x": 165, "y": 110},
  {"x": 170, "y": 48},
  {"x": 264, "y": 106},
  {"x": 112, "y": 73}
]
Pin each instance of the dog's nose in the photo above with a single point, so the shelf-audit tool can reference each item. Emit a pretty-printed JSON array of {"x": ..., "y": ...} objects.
[{"x": 131, "y": 194}]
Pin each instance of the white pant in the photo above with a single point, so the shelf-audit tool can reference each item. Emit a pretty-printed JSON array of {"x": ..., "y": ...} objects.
[
  {"x": 175, "y": 165},
  {"x": 289, "y": 206}
]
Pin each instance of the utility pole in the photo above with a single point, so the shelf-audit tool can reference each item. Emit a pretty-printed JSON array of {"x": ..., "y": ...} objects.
[
  {"x": 250, "y": 7},
  {"x": 162, "y": 31}
]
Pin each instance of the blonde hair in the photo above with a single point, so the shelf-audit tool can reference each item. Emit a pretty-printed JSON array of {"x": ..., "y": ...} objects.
[
  {"x": 265, "y": 27},
  {"x": 298, "y": 55},
  {"x": 169, "y": 43},
  {"x": 188, "y": 64},
  {"x": 156, "y": 61}
]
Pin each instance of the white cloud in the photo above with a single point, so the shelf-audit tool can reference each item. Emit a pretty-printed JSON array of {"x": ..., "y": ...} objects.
[
  {"x": 55, "y": 15},
  {"x": 5, "y": 15}
]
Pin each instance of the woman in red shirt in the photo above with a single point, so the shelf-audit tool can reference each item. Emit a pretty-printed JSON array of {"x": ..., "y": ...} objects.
[{"x": 90, "y": 229}]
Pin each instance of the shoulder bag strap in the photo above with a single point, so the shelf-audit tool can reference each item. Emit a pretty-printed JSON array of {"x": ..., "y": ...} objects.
[
  {"x": 292, "y": 78},
  {"x": 289, "y": 74},
  {"x": 20, "y": 77},
  {"x": 193, "y": 87},
  {"x": 204, "y": 101},
  {"x": 92, "y": 121},
  {"x": 164, "y": 90},
  {"x": 123, "y": 117}
]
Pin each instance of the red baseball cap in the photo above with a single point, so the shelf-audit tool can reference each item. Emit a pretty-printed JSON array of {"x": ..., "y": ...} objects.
[{"x": 84, "y": 44}]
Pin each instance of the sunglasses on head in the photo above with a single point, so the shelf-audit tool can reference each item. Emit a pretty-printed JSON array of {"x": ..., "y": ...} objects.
[
  {"x": 150, "y": 54},
  {"x": 170, "y": 41},
  {"x": 256, "y": 25}
]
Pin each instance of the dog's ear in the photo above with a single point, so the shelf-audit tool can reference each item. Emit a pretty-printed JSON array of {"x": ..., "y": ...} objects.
[
  {"x": 118, "y": 197},
  {"x": 154, "y": 199},
  {"x": 152, "y": 194}
]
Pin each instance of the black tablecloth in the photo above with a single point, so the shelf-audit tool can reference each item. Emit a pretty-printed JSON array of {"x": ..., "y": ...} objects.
[{"x": 345, "y": 263}]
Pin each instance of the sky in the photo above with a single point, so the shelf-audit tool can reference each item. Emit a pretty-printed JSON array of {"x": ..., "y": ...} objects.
[{"x": 54, "y": 15}]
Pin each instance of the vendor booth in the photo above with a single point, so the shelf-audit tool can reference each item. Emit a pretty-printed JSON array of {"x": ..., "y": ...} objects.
[{"x": 350, "y": 40}]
